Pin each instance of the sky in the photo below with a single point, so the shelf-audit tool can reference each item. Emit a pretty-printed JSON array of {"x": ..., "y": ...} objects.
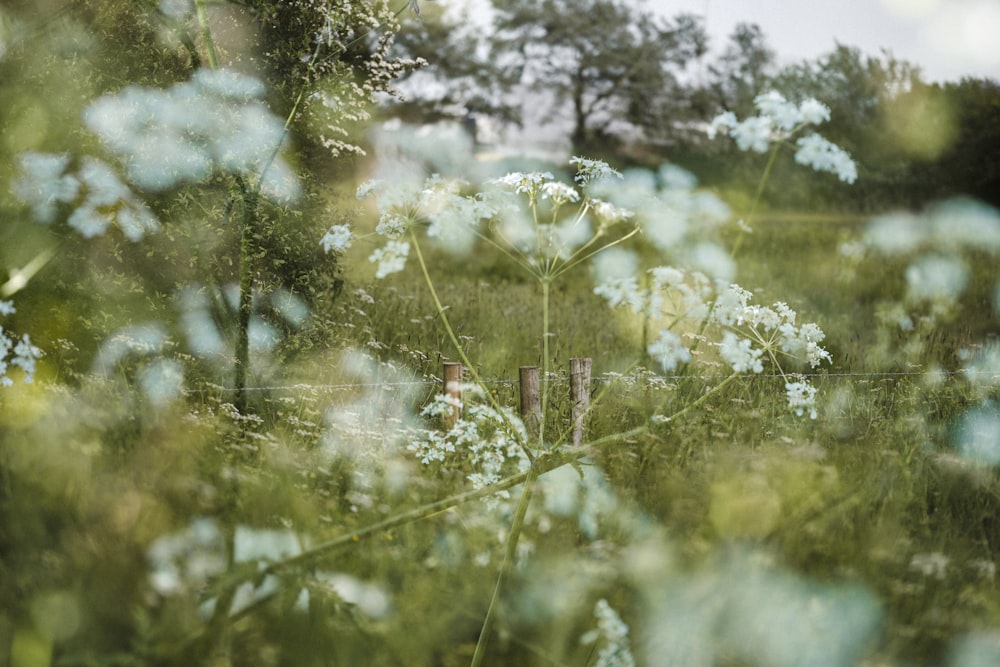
[{"x": 948, "y": 39}]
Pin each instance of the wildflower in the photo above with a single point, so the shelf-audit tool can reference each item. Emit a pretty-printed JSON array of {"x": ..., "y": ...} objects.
[
  {"x": 936, "y": 278},
  {"x": 559, "y": 193},
  {"x": 524, "y": 183},
  {"x": 591, "y": 171},
  {"x": 668, "y": 351},
  {"x": 753, "y": 133},
  {"x": 44, "y": 184},
  {"x": 616, "y": 651},
  {"x": 723, "y": 123},
  {"x": 774, "y": 105},
  {"x": 813, "y": 111},
  {"x": 366, "y": 189},
  {"x": 822, "y": 155},
  {"x": 391, "y": 258},
  {"x": 740, "y": 354},
  {"x": 337, "y": 239},
  {"x": 391, "y": 225},
  {"x": 895, "y": 233},
  {"x": 609, "y": 214},
  {"x": 803, "y": 342},
  {"x": 801, "y": 397},
  {"x": 619, "y": 291},
  {"x": 977, "y": 435}
]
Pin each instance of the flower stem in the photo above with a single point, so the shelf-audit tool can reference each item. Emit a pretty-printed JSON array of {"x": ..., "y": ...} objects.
[
  {"x": 757, "y": 196},
  {"x": 545, "y": 359},
  {"x": 206, "y": 33},
  {"x": 510, "y": 555}
]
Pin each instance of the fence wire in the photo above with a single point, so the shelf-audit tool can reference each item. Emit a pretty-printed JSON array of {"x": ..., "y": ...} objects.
[{"x": 650, "y": 380}]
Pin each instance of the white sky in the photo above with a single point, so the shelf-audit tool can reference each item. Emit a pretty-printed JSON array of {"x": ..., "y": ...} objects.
[{"x": 946, "y": 38}]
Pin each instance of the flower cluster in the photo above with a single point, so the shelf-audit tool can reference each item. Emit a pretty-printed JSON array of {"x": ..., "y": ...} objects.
[
  {"x": 214, "y": 122},
  {"x": 750, "y": 333},
  {"x": 936, "y": 244},
  {"x": 94, "y": 190},
  {"x": 16, "y": 352},
  {"x": 489, "y": 441},
  {"x": 613, "y": 634},
  {"x": 778, "y": 120}
]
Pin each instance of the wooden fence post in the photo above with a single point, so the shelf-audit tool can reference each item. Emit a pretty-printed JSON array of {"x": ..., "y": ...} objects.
[
  {"x": 579, "y": 394},
  {"x": 531, "y": 399},
  {"x": 453, "y": 389}
]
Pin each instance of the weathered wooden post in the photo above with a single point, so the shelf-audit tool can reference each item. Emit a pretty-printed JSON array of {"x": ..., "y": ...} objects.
[
  {"x": 453, "y": 389},
  {"x": 531, "y": 399},
  {"x": 579, "y": 394}
]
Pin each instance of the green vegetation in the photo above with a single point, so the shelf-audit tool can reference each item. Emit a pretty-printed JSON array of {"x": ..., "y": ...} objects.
[{"x": 234, "y": 448}]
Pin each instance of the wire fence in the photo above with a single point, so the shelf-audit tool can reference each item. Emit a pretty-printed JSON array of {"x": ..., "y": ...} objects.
[{"x": 652, "y": 381}]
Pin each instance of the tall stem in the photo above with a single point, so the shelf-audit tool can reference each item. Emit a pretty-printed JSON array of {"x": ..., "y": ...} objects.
[
  {"x": 545, "y": 359},
  {"x": 757, "y": 195},
  {"x": 509, "y": 557},
  {"x": 250, "y": 204},
  {"x": 206, "y": 33}
]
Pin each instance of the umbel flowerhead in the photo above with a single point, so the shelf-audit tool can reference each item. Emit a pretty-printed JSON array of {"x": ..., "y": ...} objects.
[{"x": 778, "y": 120}]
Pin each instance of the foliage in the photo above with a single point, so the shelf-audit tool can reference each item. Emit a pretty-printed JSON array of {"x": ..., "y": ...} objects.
[{"x": 738, "y": 504}]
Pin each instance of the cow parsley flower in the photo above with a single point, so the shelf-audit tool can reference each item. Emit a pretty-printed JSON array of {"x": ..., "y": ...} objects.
[
  {"x": 16, "y": 352},
  {"x": 739, "y": 353},
  {"x": 753, "y": 133},
  {"x": 814, "y": 112},
  {"x": 801, "y": 397},
  {"x": 44, "y": 184},
  {"x": 524, "y": 183},
  {"x": 823, "y": 155},
  {"x": 559, "y": 193},
  {"x": 722, "y": 124},
  {"x": 668, "y": 351},
  {"x": 774, "y": 105},
  {"x": 391, "y": 258},
  {"x": 337, "y": 239},
  {"x": 591, "y": 171},
  {"x": 613, "y": 633}
]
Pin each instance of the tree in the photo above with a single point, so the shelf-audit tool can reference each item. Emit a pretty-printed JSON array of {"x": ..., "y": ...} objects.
[
  {"x": 612, "y": 67},
  {"x": 743, "y": 71}
]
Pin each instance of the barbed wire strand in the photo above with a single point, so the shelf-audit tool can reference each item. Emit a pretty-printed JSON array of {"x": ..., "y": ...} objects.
[{"x": 651, "y": 380}]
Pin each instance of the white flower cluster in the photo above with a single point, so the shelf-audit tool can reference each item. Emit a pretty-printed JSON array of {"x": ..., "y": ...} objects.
[
  {"x": 613, "y": 634},
  {"x": 778, "y": 120},
  {"x": 214, "y": 122},
  {"x": 16, "y": 352},
  {"x": 936, "y": 243},
  {"x": 801, "y": 397},
  {"x": 748, "y": 330},
  {"x": 671, "y": 212},
  {"x": 591, "y": 171},
  {"x": 485, "y": 440},
  {"x": 99, "y": 196}
]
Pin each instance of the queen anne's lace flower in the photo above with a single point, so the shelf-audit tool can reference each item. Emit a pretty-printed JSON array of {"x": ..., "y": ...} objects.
[
  {"x": 668, "y": 351},
  {"x": 391, "y": 258},
  {"x": 739, "y": 353},
  {"x": 337, "y": 239},
  {"x": 801, "y": 397},
  {"x": 822, "y": 155}
]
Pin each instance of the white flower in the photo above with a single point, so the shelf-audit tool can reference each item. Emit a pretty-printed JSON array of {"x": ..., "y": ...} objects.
[
  {"x": 814, "y": 112},
  {"x": 391, "y": 258},
  {"x": 391, "y": 225},
  {"x": 895, "y": 233},
  {"x": 609, "y": 214},
  {"x": 43, "y": 184},
  {"x": 616, "y": 651},
  {"x": 337, "y": 239},
  {"x": 713, "y": 260},
  {"x": 668, "y": 351},
  {"x": 801, "y": 397},
  {"x": 614, "y": 263},
  {"x": 591, "y": 171},
  {"x": 753, "y": 133},
  {"x": 366, "y": 189},
  {"x": 822, "y": 155},
  {"x": 722, "y": 123},
  {"x": 977, "y": 436},
  {"x": 559, "y": 193},
  {"x": 524, "y": 183},
  {"x": 740, "y": 354},
  {"x": 936, "y": 278},
  {"x": 774, "y": 105},
  {"x": 803, "y": 342},
  {"x": 622, "y": 291}
]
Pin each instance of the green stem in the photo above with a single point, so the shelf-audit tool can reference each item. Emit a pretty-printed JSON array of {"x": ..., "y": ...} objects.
[
  {"x": 509, "y": 557},
  {"x": 206, "y": 33},
  {"x": 247, "y": 220},
  {"x": 545, "y": 360},
  {"x": 757, "y": 196}
]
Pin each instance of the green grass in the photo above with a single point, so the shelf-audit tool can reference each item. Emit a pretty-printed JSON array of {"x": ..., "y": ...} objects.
[{"x": 859, "y": 497}]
